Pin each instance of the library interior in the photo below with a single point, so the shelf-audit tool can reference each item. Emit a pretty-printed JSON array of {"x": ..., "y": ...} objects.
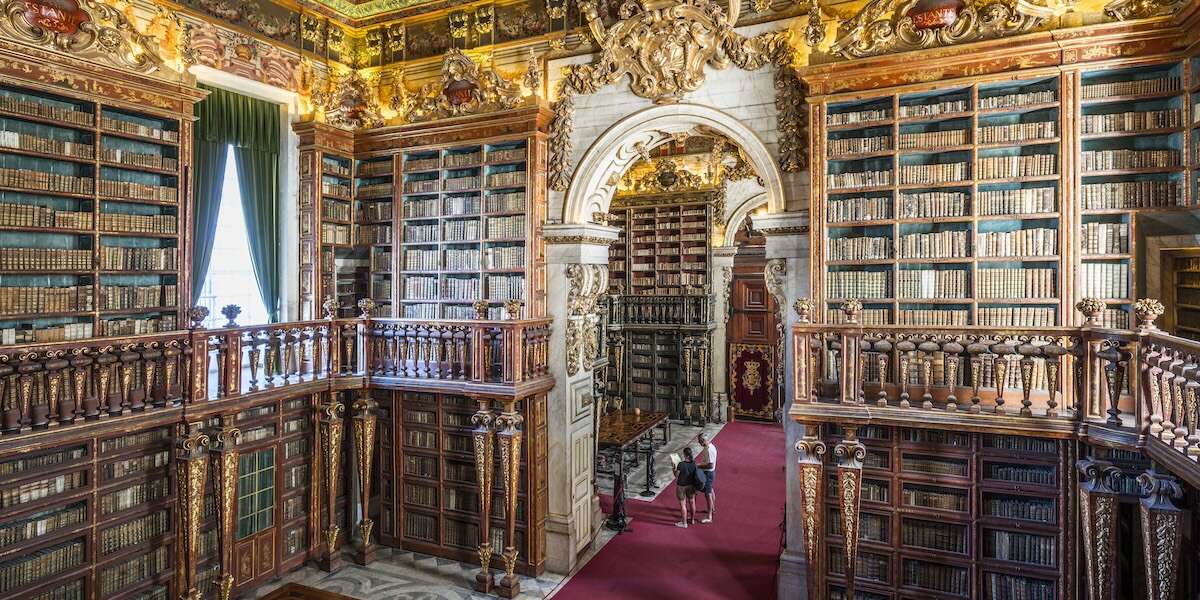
[{"x": 458, "y": 299}]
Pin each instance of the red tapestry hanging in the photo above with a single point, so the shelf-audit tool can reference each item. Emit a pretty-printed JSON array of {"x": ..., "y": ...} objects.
[{"x": 752, "y": 381}]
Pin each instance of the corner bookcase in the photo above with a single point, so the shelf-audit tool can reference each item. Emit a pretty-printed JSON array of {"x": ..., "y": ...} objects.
[
  {"x": 92, "y": 214},
  {"x": 999, "y": 200},
  {"x": 949, "y": 514}
]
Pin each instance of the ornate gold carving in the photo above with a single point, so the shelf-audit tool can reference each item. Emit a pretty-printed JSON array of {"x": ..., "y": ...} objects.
[
  {"x": 884, "y": 26},
  {"x": 775, "y": 274},
  {"x": 586, "y": 283},
  {"x": 191, "y": 470},
  {"x": 663, "y": 46},
  {"x": 331, "y": 536},
  {"x": 791, "y": 119},
  {"x": 222, "y": 447},
  {"x": 363, "y": 423},
  {"x": 85, "y": 29},
  {"x": 510, "y": 463},
  {"x": 331, "y": 424},
  {"x": 464, "y": 88},
  {"x": 580, "y": 239},
  {"x": 1125, "y": 10},
  {"x": 850, "y": 454},
  {"x": 1162, "y": 528},
  {"x": 349, "y": 100},
  {"x": 484, "y": 435},
  {"x": 726, "y": 292},
  {"x": 666, "y": 177},
  {"x": 1098, "y": 518},
  {"x": 809, "y": 451}
]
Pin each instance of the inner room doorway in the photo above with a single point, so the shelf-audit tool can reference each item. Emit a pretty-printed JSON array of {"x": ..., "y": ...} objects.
[{"x": 752, "y": 335}]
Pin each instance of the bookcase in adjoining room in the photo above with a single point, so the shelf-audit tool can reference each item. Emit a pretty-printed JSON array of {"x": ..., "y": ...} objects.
[
  {"x": 373, "y": 219},
  {"x": 950, "y": 514},
  {"x": 92, "y": 210},
  {"x": 664, "y": 248},
  {"x": 468, "y": 219}
]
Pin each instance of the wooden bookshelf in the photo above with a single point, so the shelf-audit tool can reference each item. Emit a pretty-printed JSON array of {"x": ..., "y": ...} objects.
[
  {"x": 999, "y": 200},
  {"x": 1181, "y": 291},
  {"x": 374, "y": 215},
  {"x": 92, "y": 214},
  {"x": 951, "y": 514},
  {"x": 664, "y": 247},
  {"x": 330, "y": 264}
]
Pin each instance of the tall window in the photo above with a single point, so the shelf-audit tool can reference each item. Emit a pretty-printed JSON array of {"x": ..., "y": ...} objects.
[
  {"x": 230, "y": 277},
  {"x": 256, "y": 492}
]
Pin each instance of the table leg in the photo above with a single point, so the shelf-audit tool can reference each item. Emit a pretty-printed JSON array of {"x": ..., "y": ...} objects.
[
  {"x": 617, "y": 520},
  {"x": 650, "y": 479}
]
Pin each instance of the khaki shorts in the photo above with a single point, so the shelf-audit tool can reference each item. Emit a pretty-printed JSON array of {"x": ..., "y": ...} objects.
[{"x": 685, "y": 491}]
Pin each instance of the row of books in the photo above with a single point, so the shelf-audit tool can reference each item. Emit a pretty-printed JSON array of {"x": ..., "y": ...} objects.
[
  {"x": 1016, "y": 283},
  {"x": 1020, "y": 547},
  {"x": 858, "y": 145},
  {"x": 50, "y": 333},
  {"x": 335, "y": 210},
  {"x": 335, "y": 189},
  {"x": 31, "y": 491},
  {"x": 933, "y": 139},
  {"x": 1109, "y": 280},
  {"x": 504, "y": 257},
  {"x": 1131, "y": 194},
  {"x": 42, "y": 523},
  {"x": 934, "y": 173},
  {"x": 460, "y": 288},
  {"x": 937, "y": 108},
  {"x": 423, "y": 311},
  {"x": 935, "y": 465},
  {"x": 458, "y": 184},
  {"x": 134, "y": 571},
  {"x": 860, "y": 248},
  {"x": 925, "y": 205},
  {"x": 1131, "y": 121},
  {"x": 138, "y": 223},
  {"x": 867, "y": 316},
  {"x": 1041, "y": 510},
  {"x": 927, "y": 496},
  {"x": 869, "y": 566},
  {"x": 507, "y": 179},
  {"x": 929, "y": 283},
  {"x": 30, "y": 179},
  {"x": 55, "y": 112},
  {"x": 859, "y": 116},
  {"x": 1134, "y": 87},
  {"x": 420, "y": 233},
  {"x": 138, "y": 494},
  {"x": 27, "y": 215},
  {"x": 331, "y": 166},
  {"x": 1026, "y": 165},
  {"x": 1016, "y": 316},
  {"x": 858, "y": 209},
  {"x": 936, "y": 576},
  {"x": 375, "y": 211},
  {"x": 137, "y": 296},
  {"x": 422, "y": 186},
  {"x": 136, "y": 464},
  {"x": 466, "y": 159},
  {"x": 30, "y": 300},
  {"x": 412, "y": 164},
  {"x": 460, "y": 230},
  {"x": 1105, "y": 238},
  {"x": 939, "y": 244},
  {"x": 1020, "y": 473},
  {"x": 45, "y": 258},
  {"x": 335, "y": 234},
  {"x": 123, "y": 126},
  {"x": 934, "y": 316},
  {"x": 461, "y": 259},
  {"x": 504, "y": 202},
  {"x": 506, "y": 155},
  {"x": 376, "y": 168},
  {"x": 40, "y": 564},
  {"x": 1032, "y": 445},
  {"x": 158, "y": 436},
  {"x": 134, "y": 532},
  {"x": 947, "y": 537},
  {"x": 1016, "y": 132},
  {"x": 505, "y": 287},
  {"x": 1105, "y": 160},
  {"x": 138, "y": 191},
  {"x": 1018, "y": 587},
  {"x": 1017, "y": 201},
  {"x": 1016, "y": 100},
  {"x": 1040, "y": 241},
  {"x": 33, "y": 143},
  {"x": 375, "y": 190},
  {"x": 857, "y": 284},
  {"x": 506, "y": 227},
  {"x": 859, "y": 179},
  {"x": 374, "y": 234},
  {"x": 115, "y": 258},
  {"x": 139, "y": 159}
]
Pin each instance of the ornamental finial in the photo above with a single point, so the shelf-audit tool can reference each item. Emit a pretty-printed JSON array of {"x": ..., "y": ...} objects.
[
  {"x": 231, "y": 312},
  {"x": 1147, "y": 310},
  {"x": 1091, "y": 308}
]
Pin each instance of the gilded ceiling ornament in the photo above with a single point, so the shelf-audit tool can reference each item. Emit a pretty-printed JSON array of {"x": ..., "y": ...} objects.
[
  {"x": 459, "y": 24},
  {"x": 557, "y": 9},
  {"x": 463, "y": 89},
  {"x": 662, "y": 46},
  {"x": 374, "y": 43},
  {"x": 352, "y": 102},
  {"x": 84, "y": 29},
  {"x": 814, "y": 32},
  {"x": 395, "y": 36},
  {"x": 336, "y": 38},
  {"x": 485, "y": 18},
  {"x": 667, "y": 177},
  {"x": 532, "y": 80},
  {"x": 312, "y": 30},
  {"x": 1125, "y": 10},
  {"x": 792, "y": 119},
  {"x": 884, "y": 26}
]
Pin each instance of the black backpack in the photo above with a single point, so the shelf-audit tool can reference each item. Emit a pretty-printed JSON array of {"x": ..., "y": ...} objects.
[{"x": 701, "y": 478}]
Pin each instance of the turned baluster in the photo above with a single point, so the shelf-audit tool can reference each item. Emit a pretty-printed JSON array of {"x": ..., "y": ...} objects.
[
  {"x": 461, "y": 341},
  {"x": 150, "y": 371},
  {"x": 1000, "y": 364},
  {"x": 1187, "y": 391},
  {"x": 60, "y": 400},
  {"x": 288, "y": 340},
  {"x": 253, "y": 346},
  {"x": 882, "y": 349},
  {"x": 435, "y": 352},
  {"x": 904, "y": 354},
  {"x": 81, "y": 367},
  {"x": 1177, "y": 392},
  {"x": 222, "y": 349},
  {"x": 1114, "y": 377},
  {"x": 10, "y": 419},
  {"x": 1054, "y": 354},
  {"x": 1027, "y": 352},
  {"x": 130, "y": 398},
  {"x": 393, "y": 350},
  {"x": 420, "y": 338},
  {"x": 349, "y": 338},
  {"x": 927, "y": 349},
  {"x": 860, "y": 376},
  {"x": 274, "y": 356},
  {"x": 951, "y": 352},
  {"x": 34, "y": 411},
  {"x": 975, "y": 352},
  {"x": 1191, "y": 391},
  {"x": 106, "y": 377}
]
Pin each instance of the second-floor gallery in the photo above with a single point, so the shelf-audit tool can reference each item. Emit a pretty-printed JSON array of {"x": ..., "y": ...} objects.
[{"x": 377, "y": 300}]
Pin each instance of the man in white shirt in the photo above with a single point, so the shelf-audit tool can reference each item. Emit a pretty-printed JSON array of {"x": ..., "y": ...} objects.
[{"x": 706, "y": 460}]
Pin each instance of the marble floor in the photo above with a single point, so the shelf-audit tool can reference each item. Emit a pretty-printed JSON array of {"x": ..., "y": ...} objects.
[{"x": 681, "y": 435}]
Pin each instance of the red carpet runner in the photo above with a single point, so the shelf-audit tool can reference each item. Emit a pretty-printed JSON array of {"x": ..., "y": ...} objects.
[{"x": 733, "y": 558}]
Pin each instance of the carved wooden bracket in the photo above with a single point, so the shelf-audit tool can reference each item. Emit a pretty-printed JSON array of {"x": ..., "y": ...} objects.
[
  {"x": 483, "y": 435},
  {"x": 1098, "y": 516},
  {"x": 850, "y": 454},
  {"x": 191, "y": 469},
  {"x": 223, "y": 451},
  {"x": 1162, "y": 530},
  {"x": 810, "y": 452},
  {"x": 363, "y": 422}
]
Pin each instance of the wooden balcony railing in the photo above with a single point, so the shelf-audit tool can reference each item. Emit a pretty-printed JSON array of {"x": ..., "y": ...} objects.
[
  {"x": 659, "y": 310},
  {"x": 1135, "y": 388},
  {"x": 53, "y": 385}
]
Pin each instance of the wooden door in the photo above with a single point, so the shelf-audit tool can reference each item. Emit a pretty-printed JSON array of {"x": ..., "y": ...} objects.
[
  {"x": 751, "y": 345},
  {"x": 255, "y": 551}
]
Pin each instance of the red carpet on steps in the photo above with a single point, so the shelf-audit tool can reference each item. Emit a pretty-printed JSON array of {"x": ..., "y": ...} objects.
[{"x": 733, "y": 558}]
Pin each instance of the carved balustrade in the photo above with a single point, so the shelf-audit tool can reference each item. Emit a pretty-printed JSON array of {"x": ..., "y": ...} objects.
[
  {"x": 241, "y": 360},
  {"x": 492, "y": 352},
  {"x": 659, "y": 310},
  {"x": 64, "y": 383},
  {"x": 1169, "y": 407}
]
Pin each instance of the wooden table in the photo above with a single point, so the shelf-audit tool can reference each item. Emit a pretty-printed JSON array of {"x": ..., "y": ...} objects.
[{"x": 626, "y": 432}]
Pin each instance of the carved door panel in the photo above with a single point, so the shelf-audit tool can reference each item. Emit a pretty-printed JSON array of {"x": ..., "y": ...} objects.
[{"x": 752, "y": 339}]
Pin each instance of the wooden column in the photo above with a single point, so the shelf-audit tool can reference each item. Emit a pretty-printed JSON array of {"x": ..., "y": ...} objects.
[
  {"x": 810, "y": 450},
  {"x": 483, "y": 435},
  {"x": 191, "y": 469},
  {"x": 330, "y": 418},
  {"x": 363, "y": 422},
  {"x": 850, "y": 454},
  {"x": 224, "y": 454},
  {"x": 1162, "y": 530},
  {"x": 1098, "y": 517},
  {"x": 509, "y": 438}
]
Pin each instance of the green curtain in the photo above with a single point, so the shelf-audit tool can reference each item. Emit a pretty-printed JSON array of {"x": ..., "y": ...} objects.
[
  {"x": 252, "y": 127},
  {"x": 208, "y": 171}
]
